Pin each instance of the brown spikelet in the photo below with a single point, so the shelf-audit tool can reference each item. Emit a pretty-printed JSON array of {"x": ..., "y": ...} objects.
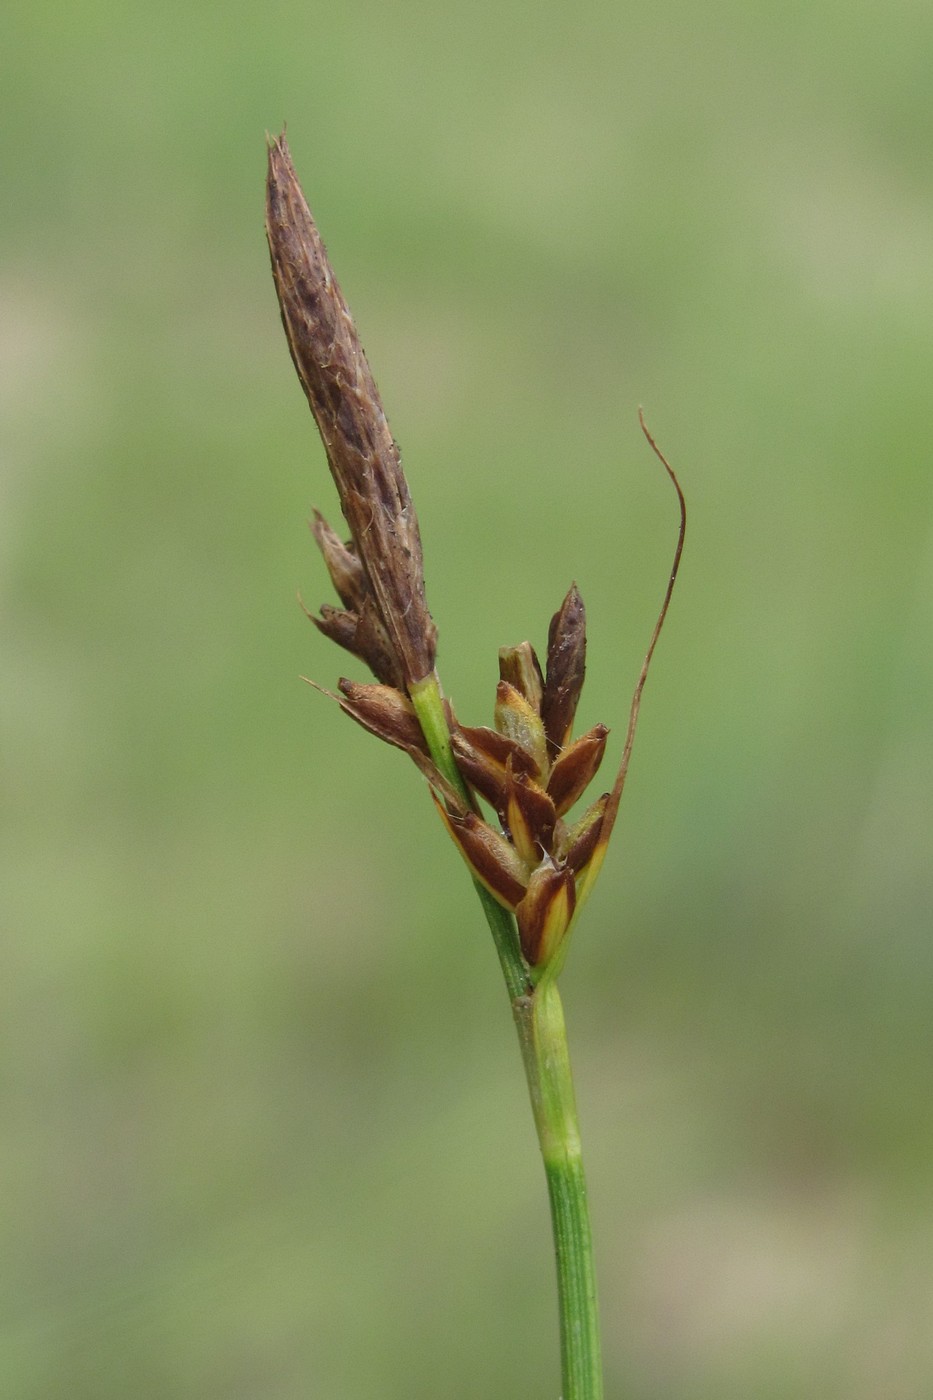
[
  {"x": 362, "y": 455},
  {"x": 384, "y": 711},
  {"x": 566, "y": 667}
]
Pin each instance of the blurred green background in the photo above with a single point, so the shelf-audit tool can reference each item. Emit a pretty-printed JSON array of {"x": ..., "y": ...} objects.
[{"x": 264, "y": 1132}]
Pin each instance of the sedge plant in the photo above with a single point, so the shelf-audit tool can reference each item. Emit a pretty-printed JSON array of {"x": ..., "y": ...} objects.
[{"x": 505, "y": 793}]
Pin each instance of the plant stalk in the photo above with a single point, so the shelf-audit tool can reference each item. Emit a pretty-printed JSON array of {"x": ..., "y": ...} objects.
[
  {"x": 543, "y": 1037},
  {"x": 539, "y": 1020}
]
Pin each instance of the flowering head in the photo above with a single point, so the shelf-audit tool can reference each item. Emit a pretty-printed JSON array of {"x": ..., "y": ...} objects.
[{"x": 530, "y": 855}]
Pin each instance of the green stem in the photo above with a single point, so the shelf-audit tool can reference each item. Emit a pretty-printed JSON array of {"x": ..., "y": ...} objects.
[
  {"x": 543, "y": 1036},
  {"x": 539, "y": 1020}
]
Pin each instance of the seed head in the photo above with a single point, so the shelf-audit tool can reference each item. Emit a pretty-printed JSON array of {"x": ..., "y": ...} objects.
[{"x": 528, "y": 767}]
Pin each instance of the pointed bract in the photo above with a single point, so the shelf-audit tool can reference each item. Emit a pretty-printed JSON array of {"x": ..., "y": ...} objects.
[
  {"x": 574, "y": 845},
  {"x": 493, "y": 861},
  {"x": 544, "y": 914},
  {"x": 338, "y": 624},
  {"x": 530, "y": 817},
  {"x": 483, "y": 756},
  {"x": 575, "y": 768},
  {"x": 363, "y": 636},
  {"x": 343, "y": 565}
]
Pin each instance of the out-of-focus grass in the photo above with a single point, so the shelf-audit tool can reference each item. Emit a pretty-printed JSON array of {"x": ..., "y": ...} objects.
[{"x": 264, "y": 1129}]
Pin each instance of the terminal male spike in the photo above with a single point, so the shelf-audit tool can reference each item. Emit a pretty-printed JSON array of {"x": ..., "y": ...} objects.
[{"x": 378, "y": 574}]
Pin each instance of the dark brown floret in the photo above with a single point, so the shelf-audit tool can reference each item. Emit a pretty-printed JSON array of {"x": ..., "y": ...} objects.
[
  {"x": 483, "y": 756},
  {"x": 545, "y": 913},
  {"x": 529, "y": 815},
  {"x": 566, "y": 667},
  {"x": 575, "y": 768}
]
